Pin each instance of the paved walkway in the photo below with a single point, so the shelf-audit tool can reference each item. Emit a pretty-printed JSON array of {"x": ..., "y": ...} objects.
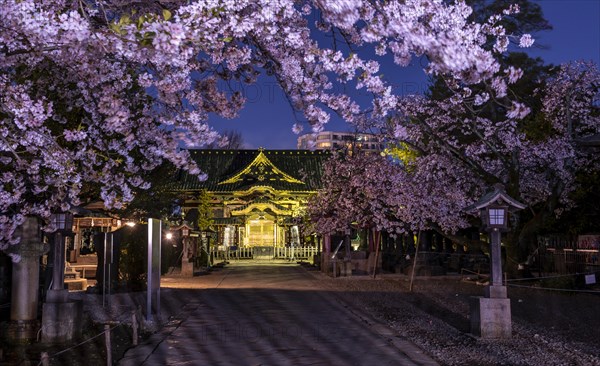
[{"x": 269, "y": 313}]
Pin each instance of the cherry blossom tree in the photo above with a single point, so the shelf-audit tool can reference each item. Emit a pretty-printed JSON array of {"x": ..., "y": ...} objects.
[
  {"x": 356, "y": 191},
  {"x": 376, "y": 192},
  {"x": 520, "y": 126},
  {"x": 98, "y": 92},
  {"x": 449, "y": 154},
  {"x": 458, "y": 151}
]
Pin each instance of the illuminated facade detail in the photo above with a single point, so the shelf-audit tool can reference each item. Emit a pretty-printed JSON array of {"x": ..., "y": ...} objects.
[
  {"x": 329, "y": 140},
  {"x": 262, "y": 168},
  {"x": 256, "y": 194}
]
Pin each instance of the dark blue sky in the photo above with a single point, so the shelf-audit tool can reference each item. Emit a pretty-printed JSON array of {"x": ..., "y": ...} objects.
[{"x": 267, "y": 119}]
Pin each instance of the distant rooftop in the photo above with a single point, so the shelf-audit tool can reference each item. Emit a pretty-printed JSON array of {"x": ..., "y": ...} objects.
[{"x": 332, "y": 140}]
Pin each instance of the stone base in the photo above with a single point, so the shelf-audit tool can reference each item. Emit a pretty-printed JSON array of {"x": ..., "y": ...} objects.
[
  {"x": 495, "y": 292},
  {"x": 187, "y": 268},
  {"x": 490, "y": 317},
  {"x": 61, "y": 322},
  {"x": 22, "y": 331},
  {"x": 57, "y": 296}
]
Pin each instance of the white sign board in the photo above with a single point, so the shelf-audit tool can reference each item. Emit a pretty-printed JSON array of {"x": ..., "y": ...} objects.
[
  {"x": 154, "y": 243},
  {"x": 590, "y": 279}
]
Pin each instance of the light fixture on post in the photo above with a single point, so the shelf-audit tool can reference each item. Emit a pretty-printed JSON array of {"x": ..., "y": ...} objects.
[
  {"x": 490, "y": 315},
  {"x": 497, "y": 217},
  {"x": 187, "y": 249},
  {"x": 62, "y": 221}
]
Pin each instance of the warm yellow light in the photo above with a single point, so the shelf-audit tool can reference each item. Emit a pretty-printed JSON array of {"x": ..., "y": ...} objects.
[
  {"x": 169, "y": 236},
  {"x": 130, "y": 224}
]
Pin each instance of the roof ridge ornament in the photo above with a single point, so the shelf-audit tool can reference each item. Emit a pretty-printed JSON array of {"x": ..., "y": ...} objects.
[{"x": 261, "y": 162}]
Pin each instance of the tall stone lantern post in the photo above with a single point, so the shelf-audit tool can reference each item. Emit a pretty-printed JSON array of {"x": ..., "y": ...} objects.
[
  {"x": 63, "y": 222},
  {"x": 187, "y": 250},
  {"x": 61, "y": 318},
  {"x": 490, "y": 314},
  {"x": 23, "y": 324}
]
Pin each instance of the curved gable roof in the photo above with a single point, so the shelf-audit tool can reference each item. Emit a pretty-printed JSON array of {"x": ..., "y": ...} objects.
[{"x": 236, "y": 170}]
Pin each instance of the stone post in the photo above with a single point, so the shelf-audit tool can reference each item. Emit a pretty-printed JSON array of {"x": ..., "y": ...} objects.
[
  {"x": 496, "y": 288},
  {"x": 61, "y": 318},
  {"x": 23, "y": 325},
  {"x": 491, "y": 315},
  {"x": 58, "y": 270},
  {"x": 187, "y": 267}
]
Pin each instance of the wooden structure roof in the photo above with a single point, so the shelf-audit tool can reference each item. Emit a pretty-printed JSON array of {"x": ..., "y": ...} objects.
[{"x": 245, "y": 170}]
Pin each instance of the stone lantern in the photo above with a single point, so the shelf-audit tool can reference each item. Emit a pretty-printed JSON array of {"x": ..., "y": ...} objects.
[
  {"x": 61, "y": 318},
  {"x": 205, "y": 236},
  {"x": 23, "y": 324},
  {"x": 187, "y": 250},
  {"x": 490, "y": 315}
]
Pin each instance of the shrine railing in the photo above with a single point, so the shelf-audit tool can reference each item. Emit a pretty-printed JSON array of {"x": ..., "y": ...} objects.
[
  {"x": 288, "y": 253},
  {"x": 293, "y": 253}
]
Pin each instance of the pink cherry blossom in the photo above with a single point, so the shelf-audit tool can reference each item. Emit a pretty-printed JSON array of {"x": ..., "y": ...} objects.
[
  {"x": 526, "y": 41},
  {"x": 94, "y": 93}
]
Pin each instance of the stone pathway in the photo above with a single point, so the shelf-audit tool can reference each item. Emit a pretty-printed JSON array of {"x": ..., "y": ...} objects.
[{"x": 270, "y": 313}]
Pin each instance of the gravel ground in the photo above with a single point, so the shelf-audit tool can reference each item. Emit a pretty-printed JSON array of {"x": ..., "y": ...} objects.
[{"x": 549, "y": 328}]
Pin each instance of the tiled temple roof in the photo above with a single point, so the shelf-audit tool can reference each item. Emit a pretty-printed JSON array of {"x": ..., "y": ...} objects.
[{"x": 240, "y": 170}]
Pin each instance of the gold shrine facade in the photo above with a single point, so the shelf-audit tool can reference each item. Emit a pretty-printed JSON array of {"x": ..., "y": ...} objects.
[{"x": 256, "y": 197}]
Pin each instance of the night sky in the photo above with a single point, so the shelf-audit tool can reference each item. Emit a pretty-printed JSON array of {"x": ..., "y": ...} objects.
[{"x": 267, "y": 119}]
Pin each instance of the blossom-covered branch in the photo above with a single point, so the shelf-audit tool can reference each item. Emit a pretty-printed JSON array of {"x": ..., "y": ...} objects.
[{"x": 98, "y": 92}]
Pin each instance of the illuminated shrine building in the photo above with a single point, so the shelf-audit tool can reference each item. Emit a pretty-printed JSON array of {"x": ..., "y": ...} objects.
[{"x": 256, "y": 196}]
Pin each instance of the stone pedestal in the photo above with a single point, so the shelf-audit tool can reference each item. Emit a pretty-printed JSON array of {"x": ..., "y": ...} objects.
[
  {"x": 61, "y": 321},
  {"x": 23, "y": 325},
  {"x": 22, "y": 331},
  {"x": 187, "y": 268},
  {"x": 490, "y": 317}
]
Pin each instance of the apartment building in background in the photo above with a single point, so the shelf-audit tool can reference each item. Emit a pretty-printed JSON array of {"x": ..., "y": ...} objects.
[{"x": 330, "y": 140}]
